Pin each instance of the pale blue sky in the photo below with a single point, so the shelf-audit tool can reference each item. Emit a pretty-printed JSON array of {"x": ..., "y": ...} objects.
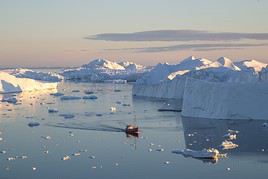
[{"x": 51, "y": 32}]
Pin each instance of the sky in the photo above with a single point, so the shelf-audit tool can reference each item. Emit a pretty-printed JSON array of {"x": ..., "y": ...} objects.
[{"x": 47, "y": 33}]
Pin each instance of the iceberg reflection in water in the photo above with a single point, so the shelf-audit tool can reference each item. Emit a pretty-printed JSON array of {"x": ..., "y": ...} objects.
[{"x": 207, "y": 133}]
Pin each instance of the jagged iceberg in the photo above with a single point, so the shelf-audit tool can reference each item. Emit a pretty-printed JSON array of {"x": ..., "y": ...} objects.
[
  {"x": 12, "y": 84},
  {"x": 100, "y": 70}
]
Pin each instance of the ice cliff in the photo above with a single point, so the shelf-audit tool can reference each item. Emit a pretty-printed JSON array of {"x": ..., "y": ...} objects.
[{"x": 204, "y": 99}]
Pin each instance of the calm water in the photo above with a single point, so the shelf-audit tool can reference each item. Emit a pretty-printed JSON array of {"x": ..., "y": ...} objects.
[{"x": 94, "y": 131}]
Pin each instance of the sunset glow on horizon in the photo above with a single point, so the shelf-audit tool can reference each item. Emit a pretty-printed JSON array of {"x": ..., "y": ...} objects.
[{"x": 70, "y": 33}]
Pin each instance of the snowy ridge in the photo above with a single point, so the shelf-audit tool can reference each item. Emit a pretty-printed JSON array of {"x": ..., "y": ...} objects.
[
  {"x": 12, "y": 84},
  {"x": 100, "y": 70},
  {"x": 41, "y": 76}
]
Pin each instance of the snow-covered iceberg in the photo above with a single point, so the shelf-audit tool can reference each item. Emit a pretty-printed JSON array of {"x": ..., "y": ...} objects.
[
  {"x": 12, "y": 84},
  {"x": 204, "y": 99},
  {"x": 168, "y": 81},
  {"x": 100, "y": 70},
  {"x": 36, "y": 75}
]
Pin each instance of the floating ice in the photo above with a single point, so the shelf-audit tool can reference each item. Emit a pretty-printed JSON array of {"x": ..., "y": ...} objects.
[
  {"x": 70, "y": 98},
  {"x": 66, "y": 157},
  {"x": 67, "y": 116},
  {"x": 226, "y": 145},
  {"x": 113, "y": 109},
  {"x": 33, "y": 124},
  {"x": 11, "y": 100},
  {"x": 90, "y": 97},
  {"x": 53, "y": 110},
  {"x": 57, "y": 94},
  {"x": 203, "y": 154}
]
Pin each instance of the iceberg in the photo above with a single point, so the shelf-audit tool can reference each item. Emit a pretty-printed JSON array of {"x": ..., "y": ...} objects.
[
  {"x": 100, "y": 70},
  {"x": 12, "y": 84},
  {"x": 168, "y": 81},
  {"x": 36, "y": 75},
  {"x": 204, "y": 99}
]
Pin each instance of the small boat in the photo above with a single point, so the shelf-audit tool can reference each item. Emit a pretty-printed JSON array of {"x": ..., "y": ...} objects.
[{"x": 132, "y": 129}]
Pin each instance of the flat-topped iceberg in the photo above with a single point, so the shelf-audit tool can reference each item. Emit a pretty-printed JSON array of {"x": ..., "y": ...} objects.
[
  {"x": 12, "y": 84},
  {"x": 36, "y": 75},
  {"x": 204, "y": 99},
  {"x": 100, "y": 70}
]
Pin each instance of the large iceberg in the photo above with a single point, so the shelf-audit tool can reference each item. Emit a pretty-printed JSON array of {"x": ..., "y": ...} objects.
[
  {"x": 36, "y": 75},
  {"x": 100, "y": 70},
  {"x": 204, "y": 99},
  {"x": 165, "y": 82},
  {"x": 168, "y": 81},
  {"x": 12, "y": 84}
]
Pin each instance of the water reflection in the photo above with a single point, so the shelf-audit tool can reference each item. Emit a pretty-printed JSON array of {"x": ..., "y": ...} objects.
[{"x": 207, "y": 133}]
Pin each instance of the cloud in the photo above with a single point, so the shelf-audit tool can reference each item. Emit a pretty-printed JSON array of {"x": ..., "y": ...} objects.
[
  {"x": 178, "y": 35},
  {"x": 195, "y": 47}
]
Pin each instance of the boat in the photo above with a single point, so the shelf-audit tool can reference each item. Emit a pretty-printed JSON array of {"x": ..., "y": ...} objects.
[{"x": 132, "y": 129}]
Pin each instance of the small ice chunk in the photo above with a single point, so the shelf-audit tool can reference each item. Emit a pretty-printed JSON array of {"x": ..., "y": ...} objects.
[
  {"x": 3, "y": 152},
  {"x": 230, "y": 136},
  {"x": 23, "y": 157},
  {"x": 113, "y": 109},
  {"x": 76, "y": 154},
  {"x": 150, "y": 150},
  {"x": 92, "y": 157},
  {"x": 67, "y": 116},
  {"x": 160, "y": 150},
  {"x": 265, "y": 124},
  {"x": 53, "y": 110},
  {"x": 71, "y": 133},
  {"x": 11, "y": 158},
  {"x": 167, "y": 162},
  {"x": 33, "y": 124},
  {"x": 34, "y": 168},
  {"x": 203, "y": 154},
  {"x": 1, "y": 138},
  {"x": 11, "y": 100},
  {"x": 66, "y": 157},
  {"x": 75, "y": 91},
  {"x": 70, "y": 98},
  {"x": 57, "y": 94},
  {"x": 88, "y": 92},
  {"x": 46, "y": 137},
  {"x": 228, "y": 145},
  {"x": 92, "y": 97},
  {"x": 126, "y": 105}
]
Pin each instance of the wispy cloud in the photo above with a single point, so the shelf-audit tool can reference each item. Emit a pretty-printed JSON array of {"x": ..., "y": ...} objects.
[
  {"x": 178, "y": 35},
  {"x": 195, "y": 47}
]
